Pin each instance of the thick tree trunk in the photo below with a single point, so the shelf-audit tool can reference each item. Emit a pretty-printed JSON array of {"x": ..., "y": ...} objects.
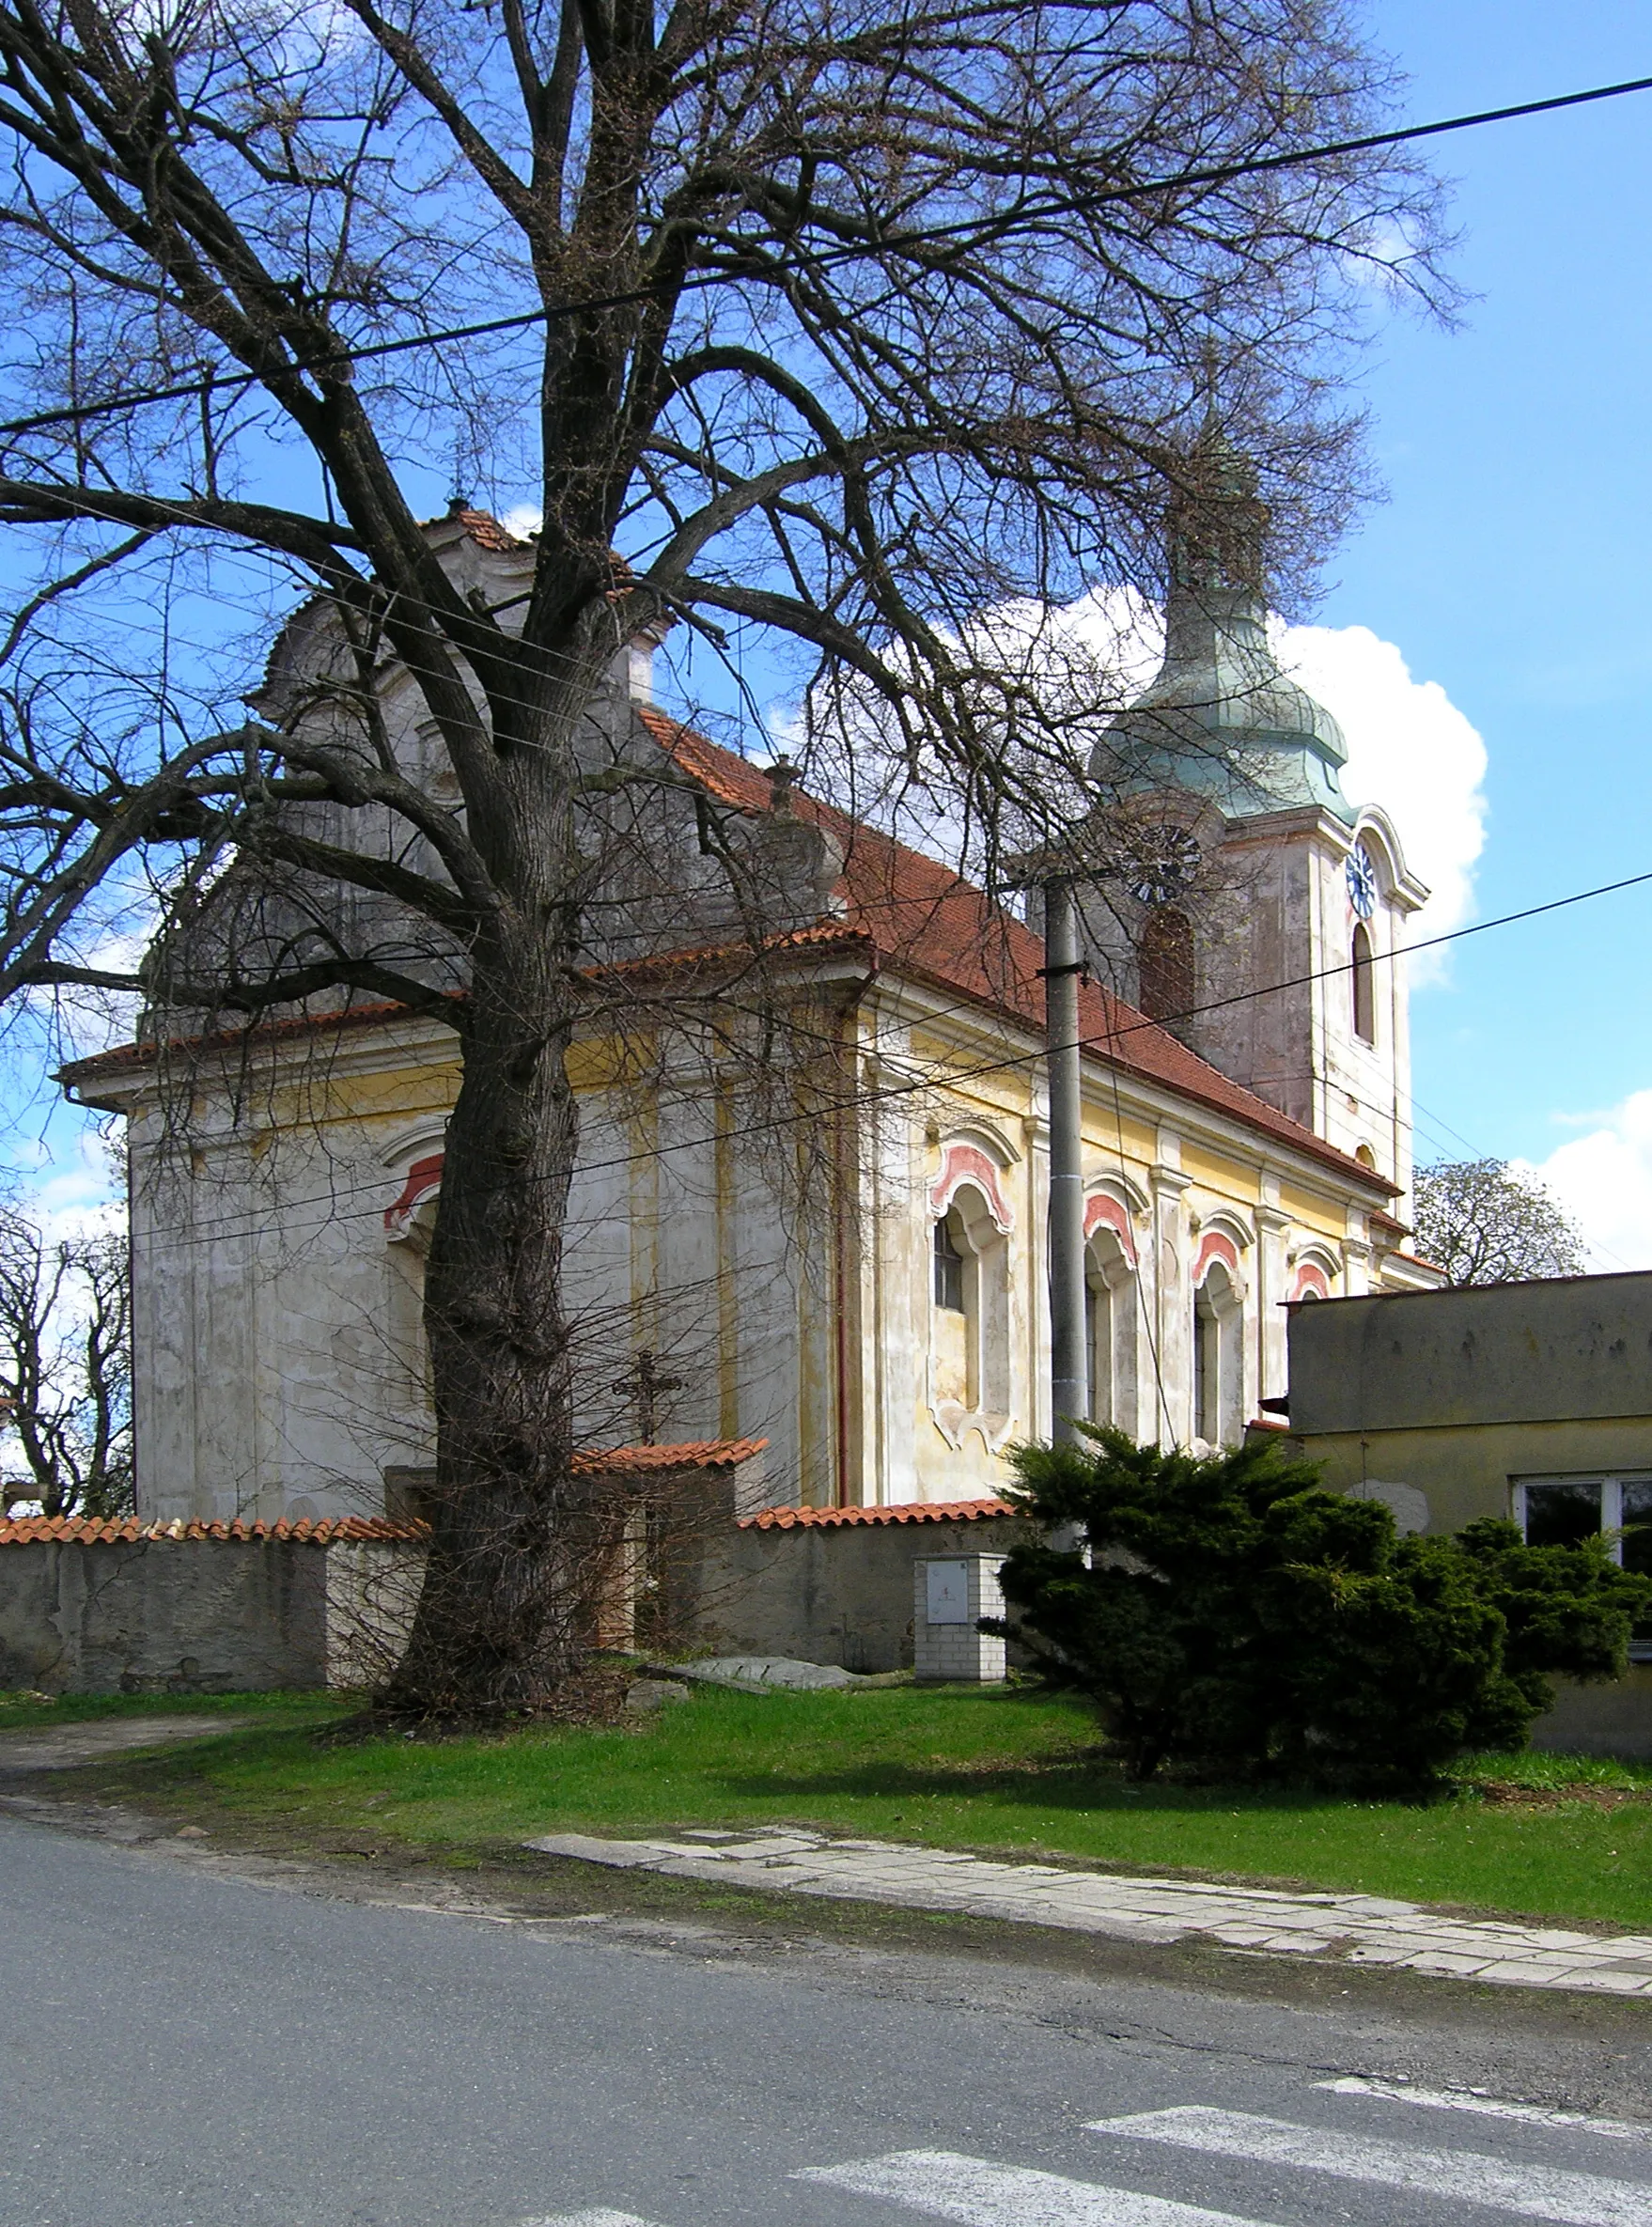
[{"x": 518, "y": 1541}]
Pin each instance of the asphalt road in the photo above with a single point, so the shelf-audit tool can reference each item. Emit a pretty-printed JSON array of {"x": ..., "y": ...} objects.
[{"x": 191, "y": 2049}]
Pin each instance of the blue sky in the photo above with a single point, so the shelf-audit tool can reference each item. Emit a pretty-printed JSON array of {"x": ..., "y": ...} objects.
[
  {"x": 1511, "y": 569},
  {"x": 1512, "y": 566}
]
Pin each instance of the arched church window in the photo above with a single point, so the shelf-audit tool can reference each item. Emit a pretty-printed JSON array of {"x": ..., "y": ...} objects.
[
  {"x": 1218, "y": 1359},
  {"x": 1109, "y": 1330},
  {"x": 1365, "y": 1157},
  {"x": 1164, "y": 960},
  {"x": 1365, "y": 989},
  {"x": 969, "y": 1317},
  {"x": 949, "y": 1267},
  {"x": 956, "y": 1338}
]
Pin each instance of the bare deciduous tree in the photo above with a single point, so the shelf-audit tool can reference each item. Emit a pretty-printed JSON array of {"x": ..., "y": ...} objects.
[
  {"x": 66, "y": 1368},
  {"x": 1483, "y": 1222},
  {"x": 860, "y": 324}
]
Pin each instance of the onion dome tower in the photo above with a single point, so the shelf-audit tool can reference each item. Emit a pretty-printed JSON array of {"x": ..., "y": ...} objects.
[{"x": 1259, "y": 913}]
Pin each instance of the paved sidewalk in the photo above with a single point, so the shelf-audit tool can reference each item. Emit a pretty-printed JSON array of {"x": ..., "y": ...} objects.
[{"x": 1348, "y": 1928}]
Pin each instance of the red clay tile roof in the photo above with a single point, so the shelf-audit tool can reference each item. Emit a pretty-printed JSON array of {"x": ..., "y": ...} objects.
[
  {"x": 479, "y": 526},
  {"x": 27, "y": 1531},
  {"x": 914, "y": 914},
  {"x": 922, "y": 918},
  {"x": 917, "y": 1511},
  {"x": 698, "y": 1454},
  {"x": 485, "y": 530}
]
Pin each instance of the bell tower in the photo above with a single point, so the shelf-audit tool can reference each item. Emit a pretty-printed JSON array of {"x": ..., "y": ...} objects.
[{"x": 1261, "y": 916}]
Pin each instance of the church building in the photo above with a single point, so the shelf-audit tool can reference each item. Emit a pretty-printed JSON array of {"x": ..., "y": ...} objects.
[{"x": 864, "y": 1289}]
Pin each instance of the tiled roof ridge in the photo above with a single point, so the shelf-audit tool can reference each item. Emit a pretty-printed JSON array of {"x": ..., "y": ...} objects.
[
  {"x": 477, "y": 525},
  {"x": 914, "y": 1511},
  {"x": 94, "y": 1531},
  {"x": 693, "y": 1454}
]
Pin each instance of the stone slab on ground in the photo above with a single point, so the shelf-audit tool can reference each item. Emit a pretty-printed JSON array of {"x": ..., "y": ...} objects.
[
  {"x": 61, "y": 1747},
  {"x": 760, "y": 1670},
  {"x": 1347, "y": 1928}
]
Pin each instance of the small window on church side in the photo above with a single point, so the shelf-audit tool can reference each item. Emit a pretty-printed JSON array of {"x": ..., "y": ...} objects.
[
  {"x": 949, "y": 1269},
  {"x": 1165, "y": 958},
  {"x": 1365, "y": 989}
]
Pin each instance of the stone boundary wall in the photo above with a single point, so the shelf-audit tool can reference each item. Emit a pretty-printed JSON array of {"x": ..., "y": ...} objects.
[
  {"x": 830, "y": 1586},
  {"x": 119, "y": 1607}
]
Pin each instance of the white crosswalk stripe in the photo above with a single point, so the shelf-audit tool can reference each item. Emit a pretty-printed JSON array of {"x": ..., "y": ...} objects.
[
  {"x": 950, "y": 2187},
  {"x": 1535, "y": 2191},
  {"x": 1487, "y": 2106},
  {"x": 599, "y": 2218}
]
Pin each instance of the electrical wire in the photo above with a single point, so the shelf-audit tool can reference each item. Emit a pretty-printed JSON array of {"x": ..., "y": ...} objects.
[
  {"x": 1005, "y": 225},
  {"x": 240, "y": 1221}
]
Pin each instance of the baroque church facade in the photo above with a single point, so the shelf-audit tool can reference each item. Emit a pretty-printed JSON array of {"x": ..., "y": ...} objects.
[{"x": 875, "y": 1309}]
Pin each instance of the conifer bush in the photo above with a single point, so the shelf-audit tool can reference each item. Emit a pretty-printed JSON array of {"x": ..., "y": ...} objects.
[{"x": 1225, "y": 1612}]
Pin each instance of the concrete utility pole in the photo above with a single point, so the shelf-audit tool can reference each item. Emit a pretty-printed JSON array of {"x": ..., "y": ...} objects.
[{"x": 1070, "y": 1375}]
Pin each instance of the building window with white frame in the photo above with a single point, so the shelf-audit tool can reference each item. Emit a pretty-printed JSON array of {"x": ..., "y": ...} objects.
[
  {"x": 969, "y": 1316},
  {"x": 1563, "y": 1511},
  {"x": 1218, "y": 1359},
  {"x": 1109, "y": 1330}
]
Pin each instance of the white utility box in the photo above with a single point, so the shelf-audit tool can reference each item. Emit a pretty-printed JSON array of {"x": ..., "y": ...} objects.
[{"x": 950, "y": 1595}]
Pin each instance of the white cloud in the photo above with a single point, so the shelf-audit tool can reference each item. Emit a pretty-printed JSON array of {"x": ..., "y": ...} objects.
[
  {"x": 1411, "y": 751},
  {"x": 67, "y": 1192},
  {"x": 1604, "y": 1181}
]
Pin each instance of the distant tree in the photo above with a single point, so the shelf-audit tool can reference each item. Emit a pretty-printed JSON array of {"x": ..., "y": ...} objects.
[
  {"x": 1483, "y": 1222},
  {"x": 66, "y": 1368},
  {"x": 1225, "y": 1612}
]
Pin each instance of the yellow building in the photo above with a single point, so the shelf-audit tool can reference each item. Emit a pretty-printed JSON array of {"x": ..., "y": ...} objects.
[{"x": 852, "y": 1267}]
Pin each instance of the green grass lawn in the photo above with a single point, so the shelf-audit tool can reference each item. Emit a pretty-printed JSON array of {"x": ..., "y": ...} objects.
[{"x": 1007, "y": 1770}]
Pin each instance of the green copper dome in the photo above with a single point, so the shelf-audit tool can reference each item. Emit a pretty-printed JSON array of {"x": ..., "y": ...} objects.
[{"x": 1222, "y": 718}]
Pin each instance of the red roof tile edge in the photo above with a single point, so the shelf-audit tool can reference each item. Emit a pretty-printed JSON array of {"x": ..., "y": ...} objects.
[
  {"x": 89, "y": 1531},
  {"x": 917, "y": 1511},
  {"x": 698, "y": 1454}
]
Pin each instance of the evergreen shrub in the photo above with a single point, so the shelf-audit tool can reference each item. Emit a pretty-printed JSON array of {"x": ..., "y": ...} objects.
[{"x": 1225, "y": 1612}]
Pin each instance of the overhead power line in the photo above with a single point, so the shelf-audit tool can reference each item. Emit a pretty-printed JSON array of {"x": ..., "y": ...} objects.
[{"x": 1004, "y": 224}]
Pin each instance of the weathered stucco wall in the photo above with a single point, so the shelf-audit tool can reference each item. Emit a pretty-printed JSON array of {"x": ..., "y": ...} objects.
[
  {"x": 1571, "y": 1349},
  {"x": 196, "y": 1615},
  {"x": 190, "y": 1616},
  {"x": 1467, "y": 1469},
  {"x": 835, "y": 1592},
  {"x": 1611, "y": 1719}
]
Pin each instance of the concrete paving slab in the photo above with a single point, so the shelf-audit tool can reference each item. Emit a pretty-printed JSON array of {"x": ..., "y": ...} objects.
[{"x": 1352, "y": 1928}]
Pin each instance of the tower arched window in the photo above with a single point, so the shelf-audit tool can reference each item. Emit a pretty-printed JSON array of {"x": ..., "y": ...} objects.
[
  {"x": 1164, "y": 960},
  {"x": 1364, "y": 987}
]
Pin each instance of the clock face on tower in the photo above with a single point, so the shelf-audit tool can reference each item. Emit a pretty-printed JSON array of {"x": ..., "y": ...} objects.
[
  {"x": 1362, "y": 881},
  {"x": 1166, "y": 865}
]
